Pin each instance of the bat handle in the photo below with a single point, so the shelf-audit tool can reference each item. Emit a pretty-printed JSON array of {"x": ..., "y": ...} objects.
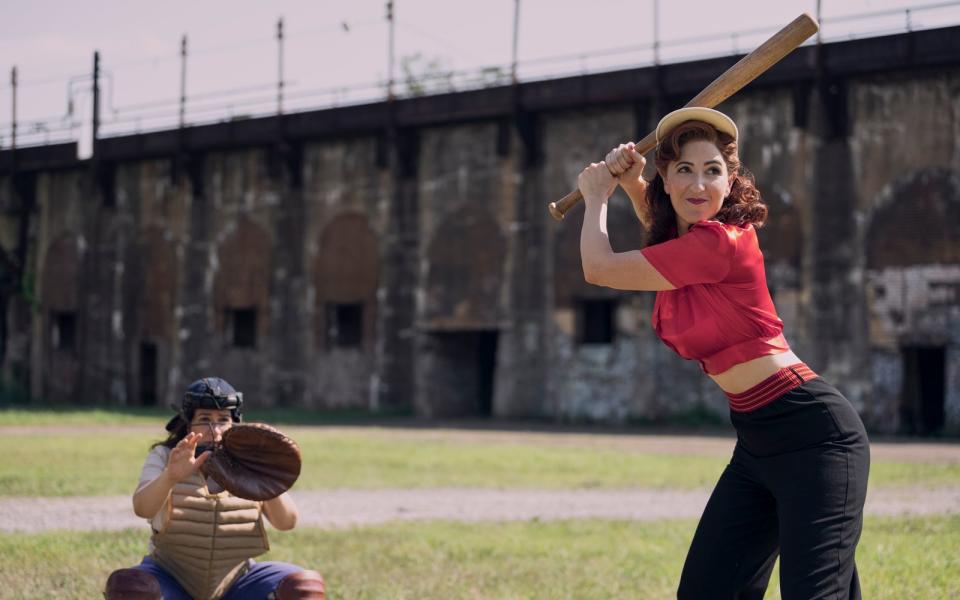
[{"x": 560, "y": 208}]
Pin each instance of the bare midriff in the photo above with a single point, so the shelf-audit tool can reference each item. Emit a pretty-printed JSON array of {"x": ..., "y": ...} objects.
[{"x": 746, "y": 375}]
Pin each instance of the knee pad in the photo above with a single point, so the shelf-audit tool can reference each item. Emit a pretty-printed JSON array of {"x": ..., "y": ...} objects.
[
  {"x": 132, "y": 584},
  {"x": 305, "y": 585}
]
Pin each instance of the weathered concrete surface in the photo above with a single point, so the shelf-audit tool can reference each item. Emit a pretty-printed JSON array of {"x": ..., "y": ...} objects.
[{"x": 400, "y": 257}]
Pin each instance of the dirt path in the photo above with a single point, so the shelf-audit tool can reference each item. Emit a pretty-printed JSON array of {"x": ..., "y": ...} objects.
[
  {"x": 347, "y": 508},
  {"x": 718, "y": 444},
  {"x": 891, "y": 449}
]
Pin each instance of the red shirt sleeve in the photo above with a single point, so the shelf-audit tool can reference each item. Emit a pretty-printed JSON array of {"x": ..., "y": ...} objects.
[{"x": 702, "y": 255}]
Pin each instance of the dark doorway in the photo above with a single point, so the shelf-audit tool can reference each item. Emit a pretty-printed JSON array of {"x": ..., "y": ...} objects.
[
  {"x": 596, "y": 320},
  {"x": 487, "y": 367},
  {"x": 148, "y": 374},
  {"x": 344, "y": 325},
  {"x": 460, "y": 378},
  {"x": 924, "y": 388},
  {"x": 64, "y": 331},
  {"x": 242, "y": 324}
]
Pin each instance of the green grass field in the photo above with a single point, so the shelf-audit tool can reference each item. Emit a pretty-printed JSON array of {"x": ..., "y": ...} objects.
[
  {"x": 157, "y": 417},
  {"x": 59, "y": 464},
  {"x": 68, "y": 453},
  {"x": 897, "y": 559}
]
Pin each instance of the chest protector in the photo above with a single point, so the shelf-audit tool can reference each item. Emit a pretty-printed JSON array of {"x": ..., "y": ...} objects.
[{"x": 205, "y": 540}]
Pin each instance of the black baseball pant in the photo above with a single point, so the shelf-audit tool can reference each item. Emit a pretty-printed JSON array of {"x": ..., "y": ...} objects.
[{"x": 795, "y": 487}]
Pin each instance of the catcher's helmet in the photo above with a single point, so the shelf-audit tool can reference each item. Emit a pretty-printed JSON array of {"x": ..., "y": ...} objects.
[{"x": 209, "y": 392}]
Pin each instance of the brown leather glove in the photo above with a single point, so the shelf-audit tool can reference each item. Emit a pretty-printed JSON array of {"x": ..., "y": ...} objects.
[{"x": 254, "y": 461}]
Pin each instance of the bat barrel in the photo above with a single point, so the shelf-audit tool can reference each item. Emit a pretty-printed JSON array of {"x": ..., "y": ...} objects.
[{"x": 730, "y": 82}]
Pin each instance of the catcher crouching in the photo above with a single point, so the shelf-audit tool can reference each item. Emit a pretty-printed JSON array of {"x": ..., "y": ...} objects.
[{"x": 205, "y": 491}]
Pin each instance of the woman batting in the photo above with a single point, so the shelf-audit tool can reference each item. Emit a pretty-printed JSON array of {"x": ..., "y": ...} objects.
[{"x": 797, "y": 480}]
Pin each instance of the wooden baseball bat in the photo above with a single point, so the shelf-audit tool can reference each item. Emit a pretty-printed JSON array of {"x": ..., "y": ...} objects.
[{"x": 733, "y": 80}]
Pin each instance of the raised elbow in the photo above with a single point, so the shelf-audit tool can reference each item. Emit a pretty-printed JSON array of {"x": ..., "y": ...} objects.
[{"x": 592, "y": 273}]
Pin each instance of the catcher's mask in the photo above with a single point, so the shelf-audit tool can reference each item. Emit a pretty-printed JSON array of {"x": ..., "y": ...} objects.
[{"x": 209, "y": 392}]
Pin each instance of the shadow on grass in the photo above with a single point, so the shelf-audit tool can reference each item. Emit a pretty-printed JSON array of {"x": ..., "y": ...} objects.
[{"x": 697, "y": 422}]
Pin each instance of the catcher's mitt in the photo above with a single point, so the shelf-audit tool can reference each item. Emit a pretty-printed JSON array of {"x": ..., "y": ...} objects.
[{"x": 254, "y": 461}]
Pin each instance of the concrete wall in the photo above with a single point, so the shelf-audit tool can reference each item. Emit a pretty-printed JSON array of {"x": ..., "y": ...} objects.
[{"x": 416, "y": 268}]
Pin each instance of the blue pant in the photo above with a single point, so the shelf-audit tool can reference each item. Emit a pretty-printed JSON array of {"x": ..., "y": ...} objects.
[{"x": 261, "y": 579}]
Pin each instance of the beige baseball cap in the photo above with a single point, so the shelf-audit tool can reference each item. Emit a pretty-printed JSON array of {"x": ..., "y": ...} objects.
[{"x": 720, "y": 121}]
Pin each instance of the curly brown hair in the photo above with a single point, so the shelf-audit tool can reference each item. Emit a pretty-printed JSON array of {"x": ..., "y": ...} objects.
[{"x": 742, "y": 206}]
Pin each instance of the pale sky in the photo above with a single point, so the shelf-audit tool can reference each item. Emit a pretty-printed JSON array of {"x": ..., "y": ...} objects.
[{"x": 339, "y": 45}]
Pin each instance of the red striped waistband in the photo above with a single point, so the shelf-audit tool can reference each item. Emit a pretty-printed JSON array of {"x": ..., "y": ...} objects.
[{"x": 771, "y": 388}]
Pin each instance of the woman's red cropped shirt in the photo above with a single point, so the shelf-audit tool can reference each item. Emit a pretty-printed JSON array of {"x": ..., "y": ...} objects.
[{"x": 721, "y": 313}]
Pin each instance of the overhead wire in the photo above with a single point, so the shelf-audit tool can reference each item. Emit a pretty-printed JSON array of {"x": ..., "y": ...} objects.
[{"x": 196, "y": 105}]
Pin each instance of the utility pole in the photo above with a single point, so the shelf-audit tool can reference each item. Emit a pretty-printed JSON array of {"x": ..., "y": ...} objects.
[
  {"x": 183, "y": 79},
  {"x": 516, "y": 30},
  {"x": 13, "y": 133},
  {"x": 820, "y": 28},
  {"x": 656, "y": 32},
  {"x": 25, "y": 201},
  {"x": 390, "y": 51},
  {"x": 280, "y": 66},
  {"x": 96, "y": 101}
]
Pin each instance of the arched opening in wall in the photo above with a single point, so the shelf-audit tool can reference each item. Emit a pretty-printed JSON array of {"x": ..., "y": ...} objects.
[
  {"x": 241, "y": 300},
  {"x": 346, "y": 276},
  {"x": 155, "y": 289},
  {"x": 918, "y": 226},
  {"x": 461, "y": 314},
  {"x": 61, "y": 341},
  {"x": 585, "y": 312},
  {"x": 913, "y": 262},
  {"x": 781, "y": 239},
  {"x": 923, "y": 397},
  {"x": 243, "y": 286}
]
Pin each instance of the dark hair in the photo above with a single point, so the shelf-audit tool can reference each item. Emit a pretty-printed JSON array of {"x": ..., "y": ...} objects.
[
  {"x": 742, "y": 206},
  {"x": 180, "y": 432}
]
